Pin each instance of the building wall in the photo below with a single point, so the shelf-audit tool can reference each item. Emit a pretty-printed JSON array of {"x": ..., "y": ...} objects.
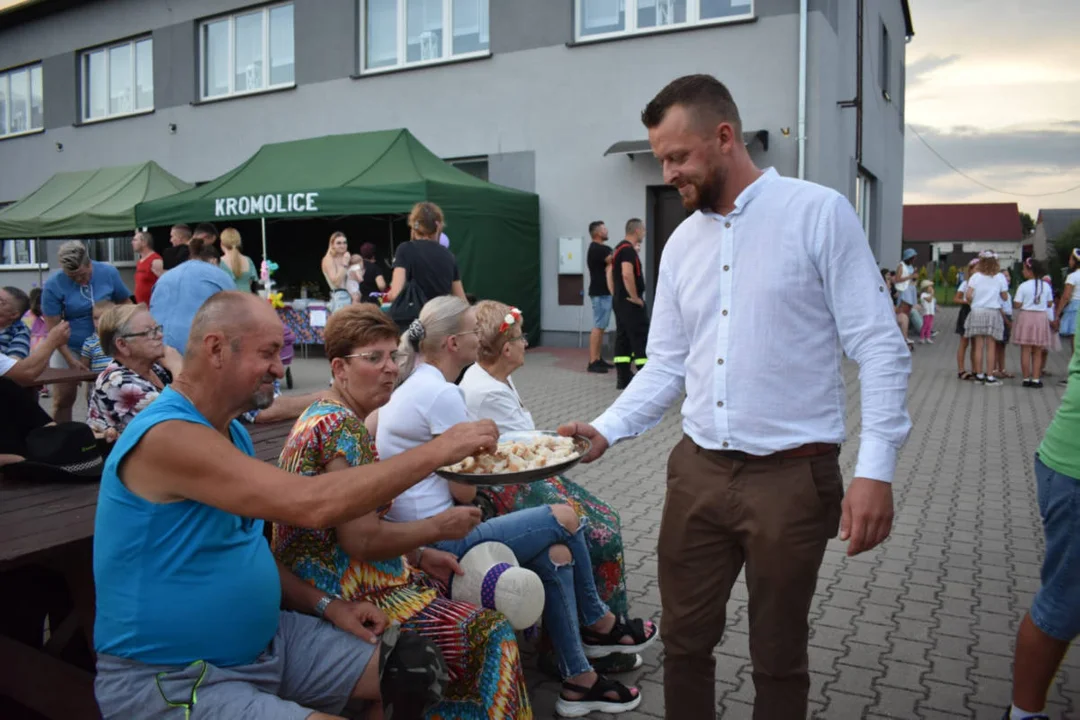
[{"x": 543, "y": 109}]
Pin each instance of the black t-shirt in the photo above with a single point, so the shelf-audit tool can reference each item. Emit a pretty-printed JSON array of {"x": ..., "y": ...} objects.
[
  {"x": 597, "y": 262},
  {"x": 173, "y": 256},
  {"x": 21, "y": 415},
  {"x": 431, "y": 266},
  {"x": 372, "y": 270},
  {"x": 625, "y": 253}
]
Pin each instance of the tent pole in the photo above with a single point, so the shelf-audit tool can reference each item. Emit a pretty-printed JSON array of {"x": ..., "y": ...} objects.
[
  {"x": 37, "y": 261},
  {"x": 263, "y": 222}
]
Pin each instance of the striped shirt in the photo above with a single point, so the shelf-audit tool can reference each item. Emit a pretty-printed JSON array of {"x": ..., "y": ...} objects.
[
  {"x": 15, "y": 340},
  {"x": 91, "y": 350}
]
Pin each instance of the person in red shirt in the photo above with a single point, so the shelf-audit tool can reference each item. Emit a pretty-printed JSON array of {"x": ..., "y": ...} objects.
[{"x": 148, "y": 268}]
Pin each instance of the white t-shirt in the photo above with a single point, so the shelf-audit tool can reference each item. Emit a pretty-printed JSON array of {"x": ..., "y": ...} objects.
[
  {"x": 1073, "y": 279},
  {"x": 6, "y": 363},
  {"x": 491, "y": 399},
  {"x": 423, "y": 406},
  {"x": 1027, "y": 292},
  {"x": 907, "y": 270},
  {"x": 987, "y": 291},
  {"x": 929, "y": 303}
]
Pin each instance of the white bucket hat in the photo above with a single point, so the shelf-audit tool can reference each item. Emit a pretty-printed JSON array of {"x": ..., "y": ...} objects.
[{"x": 494, "y": 580}]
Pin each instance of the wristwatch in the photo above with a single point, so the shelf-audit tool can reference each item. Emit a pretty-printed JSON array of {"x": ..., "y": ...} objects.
[{"x": 324, "y": 602}]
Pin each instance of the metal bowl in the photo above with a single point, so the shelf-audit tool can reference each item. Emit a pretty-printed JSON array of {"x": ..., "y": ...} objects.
[{"x": 581, "y": 444}]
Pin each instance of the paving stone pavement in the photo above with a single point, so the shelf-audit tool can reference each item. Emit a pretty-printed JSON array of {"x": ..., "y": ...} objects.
[{"x": 922, "y": 627}]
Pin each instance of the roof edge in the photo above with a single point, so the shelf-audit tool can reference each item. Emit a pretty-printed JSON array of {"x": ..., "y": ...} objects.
[{"x": 908, "y": 27}]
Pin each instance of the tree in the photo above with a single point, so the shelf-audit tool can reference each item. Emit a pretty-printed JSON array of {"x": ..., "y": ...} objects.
[
  {"x": 1027, "y": 224},
  {"x": 951, "y": 275},
  {"x": 1057, "y": 261}
]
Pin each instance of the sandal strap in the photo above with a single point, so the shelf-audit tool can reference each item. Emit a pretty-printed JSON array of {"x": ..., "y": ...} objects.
[
  {"x": 600, "y": 689},
  {"x": 623, "y": 626}
]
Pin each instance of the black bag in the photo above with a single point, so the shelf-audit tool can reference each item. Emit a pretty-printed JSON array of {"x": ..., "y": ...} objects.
[{"x": 406, "y": 306}]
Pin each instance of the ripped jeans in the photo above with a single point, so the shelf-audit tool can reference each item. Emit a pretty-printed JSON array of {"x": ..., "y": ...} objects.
[{"x": 570, "y": 594}]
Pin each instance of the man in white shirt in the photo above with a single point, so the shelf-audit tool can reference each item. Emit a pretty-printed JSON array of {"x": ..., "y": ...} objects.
[{"x": 758, "y": 294}]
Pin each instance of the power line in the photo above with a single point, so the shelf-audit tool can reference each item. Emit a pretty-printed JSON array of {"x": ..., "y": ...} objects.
[{"x": 980, "y": 182}]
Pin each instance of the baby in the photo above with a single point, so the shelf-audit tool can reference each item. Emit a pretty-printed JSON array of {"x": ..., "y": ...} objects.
[{"x": 354, "y": 276}]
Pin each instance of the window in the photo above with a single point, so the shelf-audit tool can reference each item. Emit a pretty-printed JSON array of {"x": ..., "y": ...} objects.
[
  {"x": 886, "y": 55},
  {"x": 406, "y": 32},
  {"x": 18, "y": 253},
  {"x": 475, "y": 166},
  {"x": 606, "y": 18},
  {"x": 118, "y": 80},
  {"x": 114, "y": 250},
  {"x": 864, "y": 190},
  {"x": 20, "y": 101},
  {"x": 247, "y": 53}
]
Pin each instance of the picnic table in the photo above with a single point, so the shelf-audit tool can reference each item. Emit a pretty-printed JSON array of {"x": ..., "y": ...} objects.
[
  {"x": 53, "y": 376},
  {"x": 52, "y": 525}
]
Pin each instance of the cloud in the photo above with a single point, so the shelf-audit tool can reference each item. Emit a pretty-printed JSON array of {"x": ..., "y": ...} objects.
[
  {"x": 1018, "y": 160},
  {"x": 918, "y": 70}
]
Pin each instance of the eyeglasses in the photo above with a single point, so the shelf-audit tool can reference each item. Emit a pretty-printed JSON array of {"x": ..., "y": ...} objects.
[
  {"x": 156, "y": 331},
  {"x": 475, "y": 331},
  {"x": 519, "y": 338},
  {"x": 378, "y": 357}
]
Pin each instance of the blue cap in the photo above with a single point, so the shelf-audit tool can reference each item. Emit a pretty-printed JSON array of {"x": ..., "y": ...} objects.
[{"x": 909, "y": 253}]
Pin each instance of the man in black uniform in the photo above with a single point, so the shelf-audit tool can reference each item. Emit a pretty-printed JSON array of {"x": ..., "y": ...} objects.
[
  {"x": 599, "y": 262},
  {"x": 628, "y": 300}
]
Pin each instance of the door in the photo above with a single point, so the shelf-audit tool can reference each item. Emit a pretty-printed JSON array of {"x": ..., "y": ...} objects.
[{"x": 666, "y": 212}]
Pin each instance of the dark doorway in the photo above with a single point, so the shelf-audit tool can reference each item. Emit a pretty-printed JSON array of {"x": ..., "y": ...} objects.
[{"x": 666, "y": 211}]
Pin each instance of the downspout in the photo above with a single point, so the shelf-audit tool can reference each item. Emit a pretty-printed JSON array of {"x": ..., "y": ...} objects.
[{"x": 801, "y": 166}]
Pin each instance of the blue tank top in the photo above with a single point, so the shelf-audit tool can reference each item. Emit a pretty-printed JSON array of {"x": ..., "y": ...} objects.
[{"x": 183, "y": 581}]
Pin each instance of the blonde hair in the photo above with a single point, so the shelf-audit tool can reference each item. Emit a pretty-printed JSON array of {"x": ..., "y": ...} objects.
[
  {"x": 439, "y": 319},
  {"x": 230, "y": 240},
  {"x": 115, "y": 322},
  {"x": 334, "y": 236},
  {"x": 489, "y": 318},
  {"x": 425, "y": 218},
  {"x": 72, "y": 256}
]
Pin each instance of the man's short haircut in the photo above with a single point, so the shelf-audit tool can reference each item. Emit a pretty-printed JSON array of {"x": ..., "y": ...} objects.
[
  {"x": 594, "y": 226},
  {"x": 704, "y": 96},
  {"x": 633, "y": 225},
  {"x": 207, "y": 229},
  {"x": 228, "y": 311},
  {"x": 19, "y": 299},
  {"x": 183, "y": 230}
]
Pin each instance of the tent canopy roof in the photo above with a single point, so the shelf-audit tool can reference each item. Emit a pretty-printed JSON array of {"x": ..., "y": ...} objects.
[
  {"x": 356, "y": 174},
  {"x": 88, "y": 202}
]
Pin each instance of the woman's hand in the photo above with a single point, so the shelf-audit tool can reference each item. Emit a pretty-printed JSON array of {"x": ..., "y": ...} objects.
[
  {"x": 457, "y": 522},
  {"x": 440, "y": 565},
  {"x": 361, "y": 618}
]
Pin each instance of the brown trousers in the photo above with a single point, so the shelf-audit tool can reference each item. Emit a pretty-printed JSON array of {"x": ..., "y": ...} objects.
[{"x": 772, "y": 515}]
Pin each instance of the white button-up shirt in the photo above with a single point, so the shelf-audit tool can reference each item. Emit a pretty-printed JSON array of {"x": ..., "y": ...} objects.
[{"x": 753, "y": 311}]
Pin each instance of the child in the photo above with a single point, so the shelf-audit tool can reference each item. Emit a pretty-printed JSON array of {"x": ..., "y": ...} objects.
[
  {"x": 985, "y": 325},
  {"x": 35, "y": 320},
  {"x": 928, "y": 303},
  {"x": 354, "y": 276},
  {"x": 1031, "y": 330},
  {"x": 961, "y": 321},
  {"x": 1007, "y": 317},
  {"x": 1055, "y": 341},
  {"x": 95, "y": 357}
]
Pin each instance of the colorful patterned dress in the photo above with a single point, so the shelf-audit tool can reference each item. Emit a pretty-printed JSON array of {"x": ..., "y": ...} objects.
[{"x": 486, "y": 679}]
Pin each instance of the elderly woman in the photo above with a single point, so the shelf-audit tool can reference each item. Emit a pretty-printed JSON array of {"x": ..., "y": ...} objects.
[
  {"x": 370, "y": 559},
  {"x": 141, "y": 368},
  {"x": 490, "y": 394},
  {"x": 70, "y": 295},
  {"x": 549, "y": 539}
]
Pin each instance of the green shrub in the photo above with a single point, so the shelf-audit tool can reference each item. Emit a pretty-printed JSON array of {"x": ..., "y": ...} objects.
[{"x": 952, "y": 275}]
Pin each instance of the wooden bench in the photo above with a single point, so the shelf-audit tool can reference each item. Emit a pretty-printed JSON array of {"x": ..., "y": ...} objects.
[{"x": 52, "y": 524}]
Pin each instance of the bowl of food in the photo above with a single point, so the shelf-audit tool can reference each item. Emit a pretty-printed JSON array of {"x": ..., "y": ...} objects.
[{"x": 521, "y": 457}]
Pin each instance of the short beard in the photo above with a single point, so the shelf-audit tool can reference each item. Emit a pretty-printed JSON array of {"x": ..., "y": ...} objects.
[
  {"x": 262, "y": 399},
  {"x": 708, "y": 193}
]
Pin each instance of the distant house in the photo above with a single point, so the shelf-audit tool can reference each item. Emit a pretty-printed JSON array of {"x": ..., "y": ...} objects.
[
  {"x": 1049, "y": 226},
  {"x": 953, "y": 233}
]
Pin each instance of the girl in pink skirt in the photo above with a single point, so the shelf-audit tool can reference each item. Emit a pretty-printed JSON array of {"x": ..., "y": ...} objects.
[{"x": 1031, "y": 327}]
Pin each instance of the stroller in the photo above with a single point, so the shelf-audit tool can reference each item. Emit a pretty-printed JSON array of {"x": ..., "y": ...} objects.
[{"x": 287, "y": 353}]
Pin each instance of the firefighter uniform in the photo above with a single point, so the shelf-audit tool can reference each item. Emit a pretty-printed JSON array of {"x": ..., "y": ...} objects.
[{"x": 631, "y": 321}]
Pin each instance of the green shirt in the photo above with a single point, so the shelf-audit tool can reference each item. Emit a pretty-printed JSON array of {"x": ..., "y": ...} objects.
[
  {"x": 244, "y": 279},
  {"x": 1060, "y": 449}
]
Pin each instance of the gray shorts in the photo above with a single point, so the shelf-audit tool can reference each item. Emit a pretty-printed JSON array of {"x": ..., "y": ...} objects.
[{"x": 309, "y": 666}]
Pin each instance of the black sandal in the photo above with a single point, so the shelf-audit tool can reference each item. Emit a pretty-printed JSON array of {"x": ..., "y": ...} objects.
[
  {"x": 600, "y": 644},
  {"x": 595, "y": 698}
]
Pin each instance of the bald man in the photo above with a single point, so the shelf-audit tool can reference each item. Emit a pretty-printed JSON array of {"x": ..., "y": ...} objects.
[{"x": 189, "y": 596}]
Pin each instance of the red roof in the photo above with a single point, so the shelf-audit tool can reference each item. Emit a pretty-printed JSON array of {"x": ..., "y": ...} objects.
[{"x": 963, "y": 222}]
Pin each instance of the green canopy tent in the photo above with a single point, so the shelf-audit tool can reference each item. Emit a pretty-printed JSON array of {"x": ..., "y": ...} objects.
[
  {"x": 495, "y": 230},
  {"x": 87, "y": 202}
]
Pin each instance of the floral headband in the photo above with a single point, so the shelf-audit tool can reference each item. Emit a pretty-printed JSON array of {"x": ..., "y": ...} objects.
[{"x": 510, "y": 319}]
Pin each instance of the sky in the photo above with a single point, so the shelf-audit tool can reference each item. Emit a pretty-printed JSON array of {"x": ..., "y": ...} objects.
[{"x": 994, "y": 87}]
